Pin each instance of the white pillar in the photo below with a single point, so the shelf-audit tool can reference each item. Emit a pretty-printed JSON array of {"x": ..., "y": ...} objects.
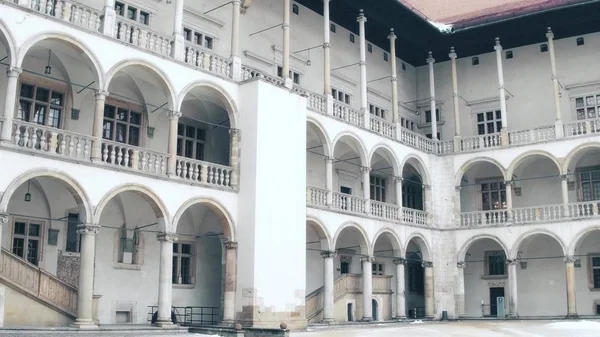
[
  {"x": 431, "y": 61},
  {"x": 513, "y": 310},
  {"x": 571, "y": 294},
  {"x": 165, "y": 286},
  {"x": 558, "y": 123},
  {"x": 110, "y": 18},
  {"x": 328, "y": 284},
  {"x": 327, "y": 58},
  {"x": 172, "y": 143},
  {"x": 9, "y": 104},
  {"x": 235, "y": 41},
  {"x": 400, "y": 282},
  {"x": 96, "y": 154},
  {"x": 392, "y": 37},
  {"x": 453, "y": 57},
  {"x": 509, "y": 203},
  {"x": 429, "y": 312},
  {"x": 366, "y": 188},
  {"x": 230, "y": 282},
  {"x": 457, "y": 205},
  {"x": 502, "y": 92},
  {"x": 85, "y": 291},
  {"x": 234, "y": 135},
  {"x": 398, "y": 181},
  {"x": 329, "y": 179},
  {"x": 362, "y": 19},
  {"x": 178, "y": 40},
  {"x": 459, "y": 297},
  {"x": 367, "y": 288},
  {"x": 564, "y": 184},
  {"x": 285, "y": 66}
]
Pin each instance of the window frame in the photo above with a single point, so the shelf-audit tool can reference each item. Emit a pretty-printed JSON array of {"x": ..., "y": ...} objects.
[
  {"x": 488, "y": 255},
  {"x": 117, "y": 104},
  {"x": 294, "y": 75},
  {"x": 25, "y": 237},
  {"x": 191, "y": 34},
  {"x": 497, "y": 121},
  {"x": 192, "y": 267},
  {"x": 337, "y": 93},
  {"x": 375, "y": 271},
  {"x": 590, "y": 270},
  {"x": 502, "y": 191},
  {"x": 377, "y": 111},
  {"x": 332, "y": 28},
  {"x": 52, "y": 87},
  {"x": 585, "y": 107},
  {"x": 77, "y": 238},
  {"x": 295, "y": 9},
  {"x": 138, "y": 13},
  {"x": 378, "y": 188},
  {"x": 184, "y": 138},
  {"x": 352, "y": 38}
]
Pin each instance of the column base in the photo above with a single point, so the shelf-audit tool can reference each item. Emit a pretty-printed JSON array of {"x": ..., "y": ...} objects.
[
  {"x": 367, "y": 319},
  {"x": 166, "y": 325},
  {"x": 328, "y": 321},
  {"x": 400, "y": 318},
  {"x": 329, "y": 104},
  {"x": 504, "y": 139},
  {"x": 558, "y": 129},
  {"x": 288, "y": 82},
  {"x": 512, "y": 316},
  {"x": 84, "y": 324},
  {"x": 6, "y": 142},
  {"x": 228, "y": 322},
  {"x": 572, "y": 316}
]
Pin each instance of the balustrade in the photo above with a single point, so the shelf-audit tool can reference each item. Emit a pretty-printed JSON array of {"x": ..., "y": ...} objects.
[
  {"x": 73, "y": 12},
  {"x": 484, "y": 218},
  {"x": 538, "y": 213},
  {"x": 532, "y": 136},
  {"x": 383, "y": 210},
  {"x": 39, "y": 138},
  {"x": 348, "y": 114},
  {"x": 317, "y": 103},
  {"x": 203, "y": 172},
  {"x": 202, "y": 59},
  {"x": 416, "y": 140},
  {"x": 316, "y": 196},
  {"x": 382, "y": 283},
  {"x": 383, "y": 127},
  {"x": 415, "y": 216},
  {"x": 349, "y": 203},
  {"x": 581, "y": 128},
  {"x": 480, "y": 142},
  {"x": 142, "y": 37},
  {"x": 134, "y": 158}
]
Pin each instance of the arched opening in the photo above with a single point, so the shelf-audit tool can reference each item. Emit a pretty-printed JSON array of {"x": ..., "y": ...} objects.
[
  {"x": 587, "y": 272},
  {"x": 317, "y": 151},
  {"x": 413, "y": 183},
  {"x": 582, "y": 170},
  {"x": 7, "y": 59},
  {"x": 317, "y": 243},
  {"x": 541, "y": 276},
  {"x": 535, "y": 182},
  {"x": 348, "y": 164},
  {"x": 384, "y": 170},
  {"x": 375, "y": 307},
  {"x": 386, "y": 251},
  {"x": 416, "y": 254},
  {"x": 482, "y": 193}
]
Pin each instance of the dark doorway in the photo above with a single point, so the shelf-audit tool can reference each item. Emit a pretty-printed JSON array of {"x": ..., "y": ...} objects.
[
  {"x": 344, "y": 268},
  {"x": 374, "y": 307},
  {"x": 349, "y": 313},
  {"x": 494, "y": 294}
]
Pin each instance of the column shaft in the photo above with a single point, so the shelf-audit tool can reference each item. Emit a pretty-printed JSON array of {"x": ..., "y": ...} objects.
[
  {"x": 555, "y": 83},
  {"x": 366, "y": 188},
  {"x": 363, "y": 69},
  {"x": 564, "y": 184},
  {"x": 429, "y": 310},
  {"x": 459, "y": 297},
  {"x": 172, "y": 143},
  {"x": 236, "y": 61},
  {"x": 230, "y": 282},
  {"x": 9, "y": 104},
  {"x": 165, "y": 286},
  {"x": 513, "y": 308},
  {"x": 392, "y": 37},
  {"x": 509, "y": 204},
  {"x": 98, "y": 124},
  {"x": 326, "y": 50},
  {"x": 85, "y": 292},
  {"x": 286, "y": 44},
  {"x": 455, "y": 93},
  {"x": 400, "y": 282},
  {"x": 328, "y": 284},
  {"x": 431, "y": 61},
  {"x": 571, "y": 294},
  {"x": 367, "y": 288},
  {"x": 398, "y": 181},
  {"x": 501, "y": 89},
  {"x": 329, "y": 179}
]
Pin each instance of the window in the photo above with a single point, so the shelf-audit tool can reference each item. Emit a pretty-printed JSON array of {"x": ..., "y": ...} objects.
[
  {"x": 405, "y": 123},
  {"x": 589, "y": 182},
  {"x": 122, "y": 124},
  {"x": 352, "y": 38},
  {"x": 370, "y": 48},
  {"x": 345, "y": 264},
  {"x": 293, "y": 75},
  {"x": 495, "y": 263},
  {"x": 587, "y": 107},
  {"x": 295, "y": 9},
  {"x": 543, "y": 48},
  {"x": 345, "y": 190},
  {"x": 385, "y": 57},
  {"x": 40, "y": 105},
  {"x": 429, "y": 135},
  {"x": 377, "y": 111},
  {"x": 416, "y": 275},
  {"x": 489, "y": 122},
  {"x": 191, "y": 141},
  {"x": 377, "y": 188},
  {"x": 378, "y": 269},
  {"x": 27, "y": 239},
  {"x": 332, "y": 27},
  {"x": 493, "y": 195},
  {"x": 198, "y": 38},
  {"x": 580, "y": 41},
  {"x": 428, "y": 115},
  {"x": 340, "y": 96},
  {"x": 475, "y": 61},
  {"x": 132, "y": 13},
  {"x": 73, "y": 239},
  {"x": 182, "y": 263},
  {"x": 412, "y": 193},
  {"x": 595, "y": 270},
  {"x": 509, "y": 54}
]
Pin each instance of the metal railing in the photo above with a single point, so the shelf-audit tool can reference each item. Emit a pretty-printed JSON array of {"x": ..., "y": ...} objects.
[{"x": 192, "y": 315}]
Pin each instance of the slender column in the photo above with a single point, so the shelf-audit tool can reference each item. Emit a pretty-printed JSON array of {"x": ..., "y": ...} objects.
[
  {"x": 329, "y": 179},
  {"x": 86, "y": 276},
  {"x": 235, "y": 40},
  {"x": 571, "y": 295},
  {"x": 327, "y": 57},
  {"x": 457, "y": 205},
  {"x": 392, "y": 37},
  {"x": 513, "y": 311},
  {"x": 564, "y": 184},
  {"x": 172, "y": 144},
  {"x": 509, "y": 204},
  {"x": 364, "y": 109},
  {"x": 165, "y": 295},
  {"x": 367, "y": 288},
  {"x": 502, "y": 92},
  {"x": 3, "y": 221},
  {"x": 9, "y": 104},
  {"x": 328, "y": 286},
  {"x": 428, "y": 288},
  {"x": 459, "y": 297},
  {"x": 178, "y": 40},
  {"x": 366, "y": 188},
  {"x": 453, "y": 57},
  {"x": 555, "y": 84},
  {"x": 431, "y": 61},
  {"x": 110, "y": 18},
  {"x": 97, "y": 126},
  {"x": 286, "y": 44},
  {"x": 398, "y": 181},
  {"x": 400, "y": 282},
  {"x": 230, "y": 282},
  {"x": 234, "y": 135}
]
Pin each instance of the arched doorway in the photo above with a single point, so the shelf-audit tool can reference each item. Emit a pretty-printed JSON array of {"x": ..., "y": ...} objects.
[
  {"x": 419, "y": 283},
  {"x": 483, "y": 197}
]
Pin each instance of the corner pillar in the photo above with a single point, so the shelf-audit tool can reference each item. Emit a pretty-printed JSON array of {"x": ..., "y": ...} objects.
[
  {"x": 165, "y": 281},
  {"x": 367, "y": 263},
  {"x": 398, "y": 181},
  {"x": 230, "y": 282},
  {"x": 85, "y": 293},
  {"x": 400, "y": 282},
  {"x": 110, "y": 18},
  {"x": 564, "y": 184},
  {"x": 9, "y": 104}
]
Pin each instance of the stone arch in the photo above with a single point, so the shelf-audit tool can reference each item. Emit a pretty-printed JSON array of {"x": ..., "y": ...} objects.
[
  {"x": 8, "y": 39},
  {"x": 419, "y": 165},
  {"x": 364, "y": 245},
  {"x": 465, "y": 247},
  {"x": 530, "y": 234},
  {"x": 392, "y": 157},
  {"x": 157, "y": 205},
  {"x": 360, "y": 146},
  {"x": 469, "y": 163},
  {"x": 318, "y": 227},
  {"x": 567, "y": 161},
  {"x": 224, "y": 216},
  {"x": 394, "y": 240},
  {"x": 522, "y": 157},
  {"x": 421, "y": 242},
  {"x": 71, "y": 184},
  {"x": 578, "y": 238},
  {"x": 327, "y": 144},
  {"x": 226, "y": 99},
  {"x": 32, "y": 41}
]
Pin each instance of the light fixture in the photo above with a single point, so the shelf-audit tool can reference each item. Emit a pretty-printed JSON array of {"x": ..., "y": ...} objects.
[
  {"x": 28, "y": 195},
  {"x": 308, "y": 62},
  {"x": 48, "y": 69}
]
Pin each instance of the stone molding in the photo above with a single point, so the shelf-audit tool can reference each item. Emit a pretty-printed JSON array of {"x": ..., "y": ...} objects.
[
  {"x": 569, "y": 259},
  {"x": 230, "y": 245},
  {"x": 369, "y": 259},
  {"x": 512, "y": 262},
  {"x": 3, "y": 218},
  {"x": 400, "y": 261},
  {"x": 328, "y": 254},
  {"x": 175, "y": 115},
  {"x": 427, "y": 264},
  {"x": 461, "y": 264},
  {"x": 88, "y": 229},
  {"x": 167, "y": 237}
]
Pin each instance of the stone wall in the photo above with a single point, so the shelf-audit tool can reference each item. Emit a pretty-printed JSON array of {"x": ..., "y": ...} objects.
[{"x": 68, "y": 269}]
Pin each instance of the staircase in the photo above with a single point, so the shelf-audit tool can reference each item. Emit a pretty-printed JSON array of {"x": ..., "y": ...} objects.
[
  {"x": 347, "y": 283},
  {"x": 35, "y": 283}
]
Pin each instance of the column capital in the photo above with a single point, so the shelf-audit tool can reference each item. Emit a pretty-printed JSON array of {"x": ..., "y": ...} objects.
[
  {"x": 328, "y": 254},
  {"x": 400, "y": 261},
  {"x": 549, "y": 34},
  {"x": 362, "y": 63},
  {"x": 509, "y": 183},
  {"x": 369, "y": 259},
  {"x": 361, "y": 17},
  {"x": 326, "y": 45},
  {"x": 457, "y": 188},
  {"x": 328, "y": 159},
  {"x": 236, "y": 2},
  {"x": 13, "y": 71},
  {"x": 234, "y": 132},
  {"x": 426, "y": 264},
  {"x": 452, "y": 54},
  {"x": 3, "y": 218},
  {"x": 175, "y": 115},
  {"x": 564, "y": 177},
  {"x": 365, "y": 169},
  {"x": 461, "y": 264},
  {"x": 101, "y": 95},
  {"x": 398, "y": 179},
  {"x": 167, "y": 237},
  {"x": 230, "y": 245},
  {"x": 498, "y": 47},
  {"x": 392, "y": 35},
  {"x": 512, "y": 262},
  {"x": 569, "y": 259},
  {"x": 88, "y": 229},
  {"x": 430, "y": 58}
]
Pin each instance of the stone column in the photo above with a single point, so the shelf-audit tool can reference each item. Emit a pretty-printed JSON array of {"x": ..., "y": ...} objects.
[
  {"x": 3, "y": 221},
  {"x": 285, "y": 66},
  {"x": 571, "y": 294},
  {"x": 9, "y": 104},
  {"x": 431, "y": 61},
  {"x": 178, "y": 40},
  {"x": 453, "y": 57},
  {"x": 366, "y": 188},
  {"x": 555, "y": 84},
  {"x": 328, "y": 286},
  {"x": 509, "y": 204},
  {"x": 234, "y": 135},
  {"x": 236, "y": 60},
  {"x": 110, "y": 18},
  {"x": 513, "y": 309},
  {"x": 172, "y": 143},
  {"x": 165, "y": 286},
  {"x": 392, "y": 37},
  {"x": 459, "y": 297},
  {"x": 327, "y": 58},
  {"x": 329, "y": 179},
  {"x": 457, "y": 205},
  {"x": 400, "y": 282},
  {"x": 398, "y": 181},
  {"x": 96, "y": 154},
  {"x": 367, "y": 288},
  {"x": 564, "y": 184},
  {"x": 502, "y": 92},
  {"x": 230, "y": 282},
  {"x": 364, "y": 108},
  {"x": 85, "y": 291},
  {"x": 429, "y": 312}
]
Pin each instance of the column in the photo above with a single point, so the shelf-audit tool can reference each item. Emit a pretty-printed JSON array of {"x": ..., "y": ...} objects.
[
  {"x": 431, "y": 61},
  {"x": 457, "y": 205},
  {"x": 459, "y": 297},
  {"x": 328, "y": 286},
  {"x": 178, "y": 40},
  {"x": 364, "y": 109},
  {"x": 329, "y": 179},
  {"x": 235, "y": 41},
  {"x": 230, "y": 282},
  {"x": 9, "y": 104},
  {"x": 3, "y": 221},
  {"x": 172, "y": 143},
  {"x": 512, "y": 288},
  {"x": 400, "y": 282},
  {"x": 367, "y": 288},
  {"x": 555, "y": 84},
  {"x": 428, "y": 288},
  {"x": 509, "y": 204},
  {"x": 110, "y": 18},
  {"x": 502, "y": 92},
  {"x": 453, "y": 57},
  {"x": 85, "y": 291},
  {"x": 165, "y": 286},
  {"x": 234, "y": 135},
  {"x": 398, "y": 181},
  {"x": 98, "y": 124},
  {"x": 366, "y": 188},
  {"x": 285, "y": 66},
  {"x": 392, "y": 37},
  {"x": 327, "y": 58},
  {"x": 571, "y": 295},
  {"x": 564, "y": 184}
]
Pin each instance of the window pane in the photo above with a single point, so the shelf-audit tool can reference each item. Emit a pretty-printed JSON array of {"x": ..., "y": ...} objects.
[
  {"x": 580, "y": 113},
  {"x": 57, "y": 98},
  {"x": 107, "y": 130},
  {"x": 498, "y": 114},
  {"x": 73, "y": 220},
  {"x": 109, "y": 111},
  {"x": 175, "y": 248},
  {"x": 180, "y": 129},
  {"x": 186, "y": 249},
  {"x": 19, "y": 228},
  {"x": 596, "y": 278},
  {"x": 489, "y": 115},
  {"x": 190, "y": 131},
  {"x": 596, "y": 261},
  {"x": 32, "y": 251},
  {"x": 144, "y": 18},
  {"x": 34, "y": 229},
  {"x": 490, "y": 128},
  {"x": 185, "y": 270},
  {"x": 480, "y": 117},
  {"x": 42, "y": 95},
  {"x": 591, "y": 112},
  {"x": 498, "y": 126},
  {"x": 201, "y": 134},
  {"x": 208, "y": 42},
  {"x": 579, "y": 102},
  {"x": 26, "y": 90},
  {"x": 189, "y": 148},
  {"x": 179, "y": 147},
  {"x": 131, "y": 12},
  {"x": 18, "y": 247},
  {"x": 39, "y": 114},
  {"x": 54, "y": 117},
  {"x": 120, "y": 135},
  {"x": 122, "y": 115},
  {"x": 174, "y": 274},
  {"x": 199, "y": 151},
  {"x": 135, "y": 118},
  {"x": 585, "y": 175},
  {"x": 485, "y": 187},
  {"x": 24, "y": 109},
  {"x": 589, "y": 100},
  {"x": 134, "y": 136}
]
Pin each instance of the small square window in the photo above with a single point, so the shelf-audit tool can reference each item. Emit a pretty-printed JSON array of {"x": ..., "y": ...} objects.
[
  {"x": 297, "y": 78},
  {"x": 509, "y": 54},
  {"x": 332, "y": 28},
  {"x": 475, "y": 61},
  {"x": 208, "y": 42},
  {"x": 144, "y": 18},
  {"x": 370, "y": 48},
  {"x": 120, "y": 8},
  {"x": 131, "y": 13},
  {"x": 580, "y": 41},
  {"x": 543, "y": 48},
  {"x": 187, "y": 34},
  {"x": 403, "y": 66},
  {"x": 295, "y": 9},
  {"x": 198, "y": 38},
  {"x": 352, "y": 37},
  {"x": 385, "y": 57}
]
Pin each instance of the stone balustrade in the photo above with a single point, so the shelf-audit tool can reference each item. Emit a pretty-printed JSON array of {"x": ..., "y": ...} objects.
[
  {"x": 70, "y": 11},
  {"x": 383, "y": 127},
  {"x": 532, "y": 136},
  {"x": 134, "y": 158},
  {"x": 316, "y": 196},
  {"x": 201, "y": 58},
  {"x": 317, "y": 103},
  {"x": 384, "y": 210},
  {"x": 349, "y": 203},
  {"x": 416, "y": 140},
  {"x": 347, "y": 114},
  {"x": 382, "y": 284},
  {"x": 203, "y": 172},
  {"x": 481, "y": 142},
  {"x": 415, "y": 216},
  {"x": 143, "y": 37},
  {"x": 581, "y": 128}
]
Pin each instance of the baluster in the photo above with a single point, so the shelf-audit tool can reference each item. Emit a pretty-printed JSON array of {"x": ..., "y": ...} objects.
[
  {"x": 128, "y": 32},
  {"x": 71, "y": 146},
  {"x": 104, "y": 153},
  {"x": 196, "y": 172},
  {"x": 151, "y": 41},
  {"x": 48, "y": 7},
  {"x": 157, "y": 163},
  {"x": 58, "y": 9},
  {"x": 126, "y": 157},
  {"x": 84, "y": 17},
  {"x": 66, "y": 11},
  {"x": 211, "y": 175},
  {"x": 97, "y": 22},
  {"x": 120, "y": 151},
  {"x": 135, "y": 36},
  {"x": 144, "y": 161},
  {"x": 178, "y": 170},
  {"x": 76, "y": 15},
  {"x": 17, "y": 135},
  {"x": 91, "y": 20},
  {"x": 34, "y": 138},
  {"x": 43, "y": 142},
  {"x": 113, "y": 154},
  {"x": 86, "y": 148}
]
